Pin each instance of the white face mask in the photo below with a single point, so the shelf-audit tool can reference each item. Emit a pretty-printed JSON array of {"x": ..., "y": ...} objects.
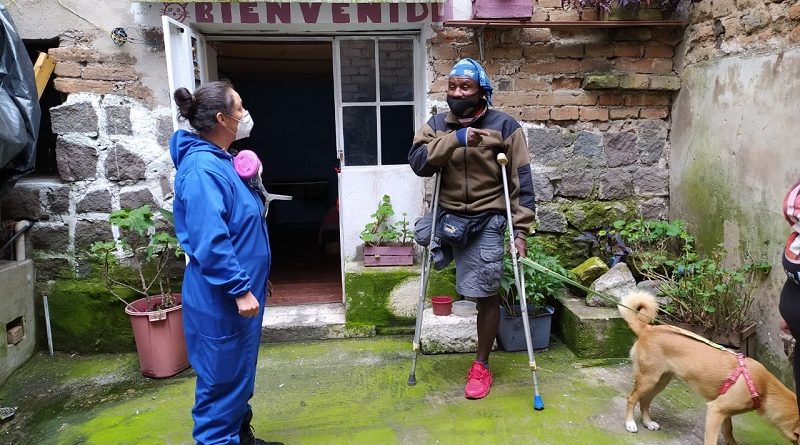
[{"x": 244, "y": 127}]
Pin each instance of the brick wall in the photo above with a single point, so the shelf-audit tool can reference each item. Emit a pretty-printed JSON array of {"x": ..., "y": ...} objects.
[
  {"x": 560, "y": 76},
  {"x": 595, "y": 105},
  {"x": 85, "y": 70}
]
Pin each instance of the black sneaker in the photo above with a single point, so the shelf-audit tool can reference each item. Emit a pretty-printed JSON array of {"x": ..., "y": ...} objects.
[{"x": 247, "y": 435}]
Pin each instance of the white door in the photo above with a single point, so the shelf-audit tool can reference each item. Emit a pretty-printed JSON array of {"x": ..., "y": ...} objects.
[
  {"x": 187, "y": 64},
  {"x": 378, "y": 109}
]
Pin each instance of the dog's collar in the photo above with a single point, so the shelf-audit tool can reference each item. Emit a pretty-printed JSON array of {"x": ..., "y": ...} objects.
[{"x": 743, "y": 371}]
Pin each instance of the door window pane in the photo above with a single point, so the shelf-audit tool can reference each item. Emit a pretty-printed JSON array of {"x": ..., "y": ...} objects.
[
  {"x": 397, "y": 70},
  {"x": 360, "y": 135},
  {"x": 358, "y": 70},
  {"x": 397, "y": 134}
]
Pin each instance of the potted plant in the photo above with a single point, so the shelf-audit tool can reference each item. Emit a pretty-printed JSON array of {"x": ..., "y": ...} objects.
[
  {"x": 707, "y": 297},
  {"x": 538, "y": 288},
  {"x": 139, "y": 262},
  {"x": 624, "y": 9},
  {"x": 387, "y": 244}
]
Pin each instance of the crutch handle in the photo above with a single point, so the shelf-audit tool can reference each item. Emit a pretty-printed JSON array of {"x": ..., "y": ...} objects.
[{"x": 502, "y": 159}]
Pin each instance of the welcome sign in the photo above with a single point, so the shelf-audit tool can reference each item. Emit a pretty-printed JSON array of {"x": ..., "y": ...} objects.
[{"x": 304, "y": 13}]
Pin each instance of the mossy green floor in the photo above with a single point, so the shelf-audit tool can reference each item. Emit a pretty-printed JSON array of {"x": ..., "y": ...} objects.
[{"x": 354, "y": 392}]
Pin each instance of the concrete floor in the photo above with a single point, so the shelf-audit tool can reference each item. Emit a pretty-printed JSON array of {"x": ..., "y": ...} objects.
[{"x": 354, "y": 391}]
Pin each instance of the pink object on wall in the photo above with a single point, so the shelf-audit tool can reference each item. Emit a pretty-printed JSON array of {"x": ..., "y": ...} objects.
[{"x": 502, "y": 9}]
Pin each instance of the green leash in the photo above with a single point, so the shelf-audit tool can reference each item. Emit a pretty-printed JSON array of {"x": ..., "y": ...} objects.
[{"x": 609, "y": 299}]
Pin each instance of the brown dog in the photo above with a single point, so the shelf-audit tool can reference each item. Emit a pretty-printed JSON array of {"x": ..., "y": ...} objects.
[{"x": 663, "y": 351}]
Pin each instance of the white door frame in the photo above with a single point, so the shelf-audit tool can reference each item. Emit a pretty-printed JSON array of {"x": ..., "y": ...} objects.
[
  {"x": 178, "y": 40},
  {"x": 180, "y": 69}
]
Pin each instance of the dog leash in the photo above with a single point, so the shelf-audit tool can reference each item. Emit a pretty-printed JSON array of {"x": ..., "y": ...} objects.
[{"x": 609, "y": 299}]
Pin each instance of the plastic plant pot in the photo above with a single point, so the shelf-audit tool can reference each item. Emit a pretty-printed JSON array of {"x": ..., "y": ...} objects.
[
  {"x": 442, "y": 305},
  {"x": 464, "y": 308}
]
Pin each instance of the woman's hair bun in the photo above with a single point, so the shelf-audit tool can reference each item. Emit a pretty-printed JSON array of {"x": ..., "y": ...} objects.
[{"x": 185, "y": 102}]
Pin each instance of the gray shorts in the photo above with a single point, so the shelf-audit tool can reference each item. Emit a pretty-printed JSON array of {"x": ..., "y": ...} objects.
[{"x": 479, "y": 265}]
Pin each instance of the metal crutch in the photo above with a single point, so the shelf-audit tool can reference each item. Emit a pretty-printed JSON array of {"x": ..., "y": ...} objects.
[
  {"x": 519, "y": 281},
  {"x": 427, "y": 260}
]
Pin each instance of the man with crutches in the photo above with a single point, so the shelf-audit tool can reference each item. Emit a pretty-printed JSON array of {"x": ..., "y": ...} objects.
[{"x": 462, "y": 147}]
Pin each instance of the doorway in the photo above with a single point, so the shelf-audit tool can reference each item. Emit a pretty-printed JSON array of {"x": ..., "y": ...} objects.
[{"x": 288, "y": 88}]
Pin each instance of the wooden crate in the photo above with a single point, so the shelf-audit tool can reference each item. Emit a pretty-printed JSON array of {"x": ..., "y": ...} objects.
[
  {"x": 388, "y": 256},
  {"x": 502, "y": 9}
]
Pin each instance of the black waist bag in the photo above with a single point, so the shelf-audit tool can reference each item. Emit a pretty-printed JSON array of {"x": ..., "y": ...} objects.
[{"x": 457, "y": 229}]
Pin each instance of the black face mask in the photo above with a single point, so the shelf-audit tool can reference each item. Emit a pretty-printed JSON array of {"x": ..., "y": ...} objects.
[{"x": 463, "y": 106}]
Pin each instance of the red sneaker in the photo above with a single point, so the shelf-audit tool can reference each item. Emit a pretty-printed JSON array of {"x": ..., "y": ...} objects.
[{"x": 479, "y": 380}]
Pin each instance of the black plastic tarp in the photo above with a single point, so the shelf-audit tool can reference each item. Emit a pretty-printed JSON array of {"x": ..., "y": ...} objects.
[{"x": 19, "y": 106}]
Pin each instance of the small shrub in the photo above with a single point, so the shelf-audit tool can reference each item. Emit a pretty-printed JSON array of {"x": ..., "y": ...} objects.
[
  {"x": 705, "y": 293},
  {"x": 538, "y": 286},
  {"x": 143, "y": 251}
]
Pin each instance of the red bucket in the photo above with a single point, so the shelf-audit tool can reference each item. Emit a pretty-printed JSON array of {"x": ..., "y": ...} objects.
[{"x": 442, "y": 305}]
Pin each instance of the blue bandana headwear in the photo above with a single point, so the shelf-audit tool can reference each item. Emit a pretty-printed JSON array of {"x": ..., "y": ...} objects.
[{"x": 469, "y": 68}]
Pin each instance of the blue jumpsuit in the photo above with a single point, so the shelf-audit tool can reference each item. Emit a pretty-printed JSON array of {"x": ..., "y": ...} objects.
[{"x": 219, "y": 222}]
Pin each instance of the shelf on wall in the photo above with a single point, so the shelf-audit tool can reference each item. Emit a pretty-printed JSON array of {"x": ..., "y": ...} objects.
[{"x": 506, "y": 24}]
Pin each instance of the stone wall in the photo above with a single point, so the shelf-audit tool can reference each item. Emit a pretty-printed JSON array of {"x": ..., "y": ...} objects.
[
  {"x": 595, "y": 105},
  {"x": 111, "y": 153}
]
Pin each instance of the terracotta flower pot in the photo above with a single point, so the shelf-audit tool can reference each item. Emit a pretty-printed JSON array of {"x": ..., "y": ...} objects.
[{"x": 159, "y": 337}]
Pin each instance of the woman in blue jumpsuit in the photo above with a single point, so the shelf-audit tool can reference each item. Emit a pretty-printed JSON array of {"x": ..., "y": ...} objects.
[{"x": 219, "y": 222}]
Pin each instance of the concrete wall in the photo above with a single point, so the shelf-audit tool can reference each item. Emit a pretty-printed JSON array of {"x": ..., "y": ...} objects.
[
  {"x": 734, "y": 138},
  {"x": 16, "y": 301}
]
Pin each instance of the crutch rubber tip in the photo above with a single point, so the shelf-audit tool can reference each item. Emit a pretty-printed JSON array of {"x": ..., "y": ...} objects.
[
  {"x": 538, "y": 404},
  {"x": 502, "y": 159},
  {"x": 412, "y": 380}
]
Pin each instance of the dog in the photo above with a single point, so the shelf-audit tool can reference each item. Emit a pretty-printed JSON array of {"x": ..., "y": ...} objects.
[{"x": 664, "y": 351}]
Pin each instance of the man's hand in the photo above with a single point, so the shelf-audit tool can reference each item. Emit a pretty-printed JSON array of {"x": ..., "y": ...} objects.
[
  {"x": 475, "y": 136},
  {"x": 247, "y": 304},
  {"x": 785, "y": 327},
  {"x": 522, "y": 247}
]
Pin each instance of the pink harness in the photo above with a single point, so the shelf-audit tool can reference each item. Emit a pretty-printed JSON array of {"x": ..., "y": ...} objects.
[{"x": 742, "y": 370}]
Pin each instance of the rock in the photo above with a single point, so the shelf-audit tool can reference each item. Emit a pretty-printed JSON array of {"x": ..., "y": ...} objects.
[
  {"x": 53, "y": 238},
  {"x": 652, "y": 287},
  {"x": 118, "y": 120},
  {"x": 590, "y": 270},
  {"x": 79, "y": 117},
  {"x": 451, "y": 333},
  {"x": 88, "y": 231},
  {"x": 76, "y": 161},
  {"x": 136, "y": 199},
  {"x": 551, "y": 220},
  {"x": 616, "y": 283},
  {"x": 621, "y": 149},
  {"x": 95, "y": 201},
  {"x": 123, "y": 164},
  {"x": 547, "y": 145}
]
